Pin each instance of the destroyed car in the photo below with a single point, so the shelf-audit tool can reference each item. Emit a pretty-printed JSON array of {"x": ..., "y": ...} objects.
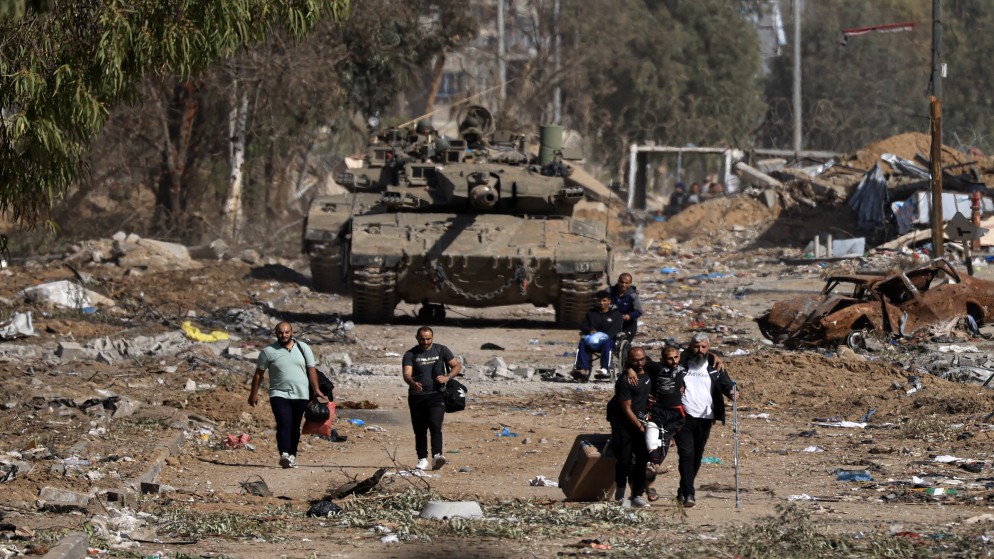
[{"x": 899, "y": 305}]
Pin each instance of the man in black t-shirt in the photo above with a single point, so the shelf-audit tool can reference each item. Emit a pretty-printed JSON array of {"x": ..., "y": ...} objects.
[
  {"x": 627, "y": 411},
  {"x": 665, "y": 407},
  {"x": 426, "y": 368}
]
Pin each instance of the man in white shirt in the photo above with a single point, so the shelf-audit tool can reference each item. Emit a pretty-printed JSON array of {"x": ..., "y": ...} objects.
[{"x": 704, "y": 403}]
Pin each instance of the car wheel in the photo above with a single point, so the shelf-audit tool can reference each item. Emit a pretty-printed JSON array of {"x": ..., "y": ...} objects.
[{"x": 856, "y": 339}]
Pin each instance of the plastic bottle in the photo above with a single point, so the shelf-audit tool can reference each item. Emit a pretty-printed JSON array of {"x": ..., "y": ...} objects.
[{"x": 940, "y": 491}]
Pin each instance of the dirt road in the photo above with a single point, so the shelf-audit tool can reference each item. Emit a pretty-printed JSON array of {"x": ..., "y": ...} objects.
[{"x": 791, "y": 444}]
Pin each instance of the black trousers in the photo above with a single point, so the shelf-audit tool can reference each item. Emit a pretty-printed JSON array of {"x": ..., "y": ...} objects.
[
  {"x": 628, "y": 445},
  {"x": 289, "y": 415},
  {"x": 427, "y": 413},
  {"x": 690, "y": 443},
  {"x": 670, "y": 420}
]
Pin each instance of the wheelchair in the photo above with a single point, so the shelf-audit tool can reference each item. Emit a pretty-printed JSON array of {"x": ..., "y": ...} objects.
[{"x": 619, "y": 356}]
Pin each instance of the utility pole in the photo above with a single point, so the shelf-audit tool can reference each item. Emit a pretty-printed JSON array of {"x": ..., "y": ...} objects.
[
  {"x": 797, "y": 75},
  {"x": 557, "y": 93},
  {"x": 935, "y": 105},
  {"x": 501, "y": 52}
]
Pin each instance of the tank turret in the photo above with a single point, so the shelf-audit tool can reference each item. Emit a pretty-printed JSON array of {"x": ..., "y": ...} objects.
[{"x": 471, "y": 221}]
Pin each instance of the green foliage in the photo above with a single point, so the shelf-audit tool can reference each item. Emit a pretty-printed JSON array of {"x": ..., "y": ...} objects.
[
  {"x": 389, "y": 42},
  {"x": 62, "y": 71},
  {"x": 879, "y": 84},
  {"x": 678, "y": 73}
]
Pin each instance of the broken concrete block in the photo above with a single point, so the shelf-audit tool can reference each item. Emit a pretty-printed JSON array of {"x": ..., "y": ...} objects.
[
  {"x": 232, "y": 351},
  {"x": 124, "y": 408},
  {"x": 191, "y": 385},
  {"x": 496, "y": 367},
  {"x": 524, "y": 372},
  {"x": 71, "y": 350},
  {"x": 62, "y": 497}
]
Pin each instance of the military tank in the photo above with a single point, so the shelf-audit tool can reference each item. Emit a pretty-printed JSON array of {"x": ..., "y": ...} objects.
[{"x": 470, "y": 221}]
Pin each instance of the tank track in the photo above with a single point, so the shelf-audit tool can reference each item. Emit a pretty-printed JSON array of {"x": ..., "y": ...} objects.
[
  {"x": 374, "y": 295},
  {"x": 327, "y": 273},
  {"x": 576, "y": 296}
]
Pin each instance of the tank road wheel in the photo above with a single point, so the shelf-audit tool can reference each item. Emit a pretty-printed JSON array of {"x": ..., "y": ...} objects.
[
  {"x": 576, "y": 296},
  {"x": 374, "y": 295},
  {"x": 327, "y": 270}
]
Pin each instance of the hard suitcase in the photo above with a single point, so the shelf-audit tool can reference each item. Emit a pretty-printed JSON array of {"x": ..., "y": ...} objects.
[{"x": 588, "y": 474}]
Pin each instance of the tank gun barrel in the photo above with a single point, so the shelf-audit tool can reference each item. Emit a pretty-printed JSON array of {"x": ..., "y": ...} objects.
[
  {"x": 484, "y": 196},
  {"x": 484, "y": 190}
]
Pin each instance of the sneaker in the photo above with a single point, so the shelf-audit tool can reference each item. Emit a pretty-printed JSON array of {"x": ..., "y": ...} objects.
[
  {"x": 620, "y": 502},
  {"x": 422, "y": 464},
  {"x": 437, "y": 462},
  {"x": 285, "y": 460},
  {"x": 639, "y": 502},
  {"x": 689, "y": 501},
  {"x": 293, "y": 461},
  {"x": 602, "y": 374}
]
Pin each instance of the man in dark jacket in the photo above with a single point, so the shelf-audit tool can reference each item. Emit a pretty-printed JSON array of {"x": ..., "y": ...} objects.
[
  {"x": 599, "y": 329},
  {"x": 705, "y": 387},
  {"x": 625, "y": 298}
]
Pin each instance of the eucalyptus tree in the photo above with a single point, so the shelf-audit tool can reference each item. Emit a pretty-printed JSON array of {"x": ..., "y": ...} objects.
[{"x": 65, "y": 64}]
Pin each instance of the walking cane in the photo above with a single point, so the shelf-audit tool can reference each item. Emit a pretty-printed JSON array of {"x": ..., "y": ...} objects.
[{"x": 735, "y": 433}]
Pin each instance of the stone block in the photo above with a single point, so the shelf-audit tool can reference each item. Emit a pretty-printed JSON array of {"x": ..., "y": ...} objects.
[{"x": 62, "y": 497}]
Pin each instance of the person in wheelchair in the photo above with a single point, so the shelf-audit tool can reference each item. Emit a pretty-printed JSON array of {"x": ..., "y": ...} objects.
[
  {"x": 599, "y": 332},
  {"x": 625, "y": 298}
]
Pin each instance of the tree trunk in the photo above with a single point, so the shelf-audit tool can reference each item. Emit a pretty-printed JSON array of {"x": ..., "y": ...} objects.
[
  {"x": 177, "y": 142},
  {"x": 436, "y": 82},
  {"x": 237, "y": 118}
]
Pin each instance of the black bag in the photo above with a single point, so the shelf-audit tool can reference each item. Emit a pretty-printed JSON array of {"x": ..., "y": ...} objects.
[
  {"x": 324, "y": 383},
  {"x": 326, "y": 386},
  {"x": 455, "y": 396},
  {"x": 317, "y": 412}
]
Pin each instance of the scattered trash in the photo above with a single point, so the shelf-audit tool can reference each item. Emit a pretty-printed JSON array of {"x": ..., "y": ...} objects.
[
  {"x": 17, "y": 326},
  {"x": 361, "y": 405},
  {"x": 491, "y": 346},
  {"x": 866, "y": 416},
  {"x": 445, "y": 510},
  {"x": 939, "y": 491},
  {"x": 390, "y": 538},
  {"x": 814, "y": 449},
  {"x": 542, "y": 481},
  {"x": 710, "y": 460},
  {"x": 257, "y": 488},
  {"x": 239, "y": 441},
  {"x": 843, "y": 424},
  {"x": 358, "y": 422},
  {"x": 801, "y": 497},
  {"x": 505, "y": 432},
  {"x": 194, "y": 333},
  {"x": 376, "y": 428},
  {"x": 854, "y": 475},
  {"x": 323, "y": 508},
  {"x": 358, "y": 487},
  {"x": 915, "y": 383}
]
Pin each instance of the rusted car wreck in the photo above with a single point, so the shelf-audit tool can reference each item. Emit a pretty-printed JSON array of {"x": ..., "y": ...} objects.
[{"x": 899, "y": 305}]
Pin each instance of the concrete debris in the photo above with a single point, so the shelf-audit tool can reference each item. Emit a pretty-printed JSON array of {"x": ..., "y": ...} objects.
[{"x": 496, "y": 367}]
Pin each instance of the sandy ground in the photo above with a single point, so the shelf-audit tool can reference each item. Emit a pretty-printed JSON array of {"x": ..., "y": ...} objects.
[{"x": 789, "y": 452}]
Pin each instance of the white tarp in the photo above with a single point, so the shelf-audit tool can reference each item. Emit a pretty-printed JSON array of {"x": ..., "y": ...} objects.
[
  {"x": 67, "y": 294},
  {"x": 19, "y": 325}
]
